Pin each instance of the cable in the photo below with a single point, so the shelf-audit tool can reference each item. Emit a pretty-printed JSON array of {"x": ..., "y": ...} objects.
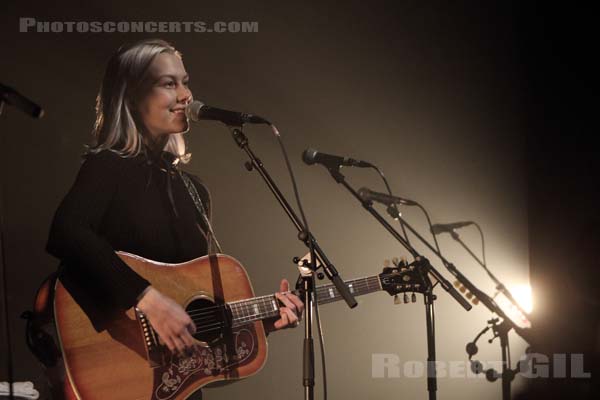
[
  {"x": 437, "y": 246},
  {"x": 387, "y": 185},
  {"x": 482, "y": 243},
  {"x": 321, "y": 345}
]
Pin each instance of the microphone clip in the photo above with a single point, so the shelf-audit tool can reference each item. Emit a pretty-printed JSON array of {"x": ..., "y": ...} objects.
[{"x": 392, "y": 210}]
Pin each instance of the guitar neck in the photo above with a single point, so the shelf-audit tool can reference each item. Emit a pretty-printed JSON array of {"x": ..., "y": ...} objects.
[{"x": 263, "y": 307}]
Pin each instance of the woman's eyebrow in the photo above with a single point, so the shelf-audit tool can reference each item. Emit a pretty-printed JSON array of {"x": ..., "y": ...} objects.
[{"x": 186, "y": 76}]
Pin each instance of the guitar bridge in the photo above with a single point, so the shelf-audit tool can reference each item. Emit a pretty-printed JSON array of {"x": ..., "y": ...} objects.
[{"x": 153, "y": 348}]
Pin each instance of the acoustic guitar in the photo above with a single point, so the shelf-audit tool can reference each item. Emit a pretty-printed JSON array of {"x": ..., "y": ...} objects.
[{"x": 127, "y": 361}]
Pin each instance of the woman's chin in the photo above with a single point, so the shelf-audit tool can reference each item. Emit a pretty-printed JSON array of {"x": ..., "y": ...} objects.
[
  {"x": 185, "y": 128},
  {"x": 180, "y": 128}
]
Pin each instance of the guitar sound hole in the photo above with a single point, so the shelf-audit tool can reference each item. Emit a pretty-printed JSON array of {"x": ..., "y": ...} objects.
[{"x": 210, "y": 319}]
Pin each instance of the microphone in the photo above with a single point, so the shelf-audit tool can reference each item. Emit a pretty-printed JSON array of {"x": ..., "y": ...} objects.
[
  {"x": 436, "y": 229},
  {"x": 197, "y": 111},
  {"x": 312, "y": 156},
  {"x": 16, "y": 99},
  {"x": 368, "y": 195}
]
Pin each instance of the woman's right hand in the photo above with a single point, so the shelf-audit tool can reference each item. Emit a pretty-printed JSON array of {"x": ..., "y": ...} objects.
[{"x": 173, "y": 325}]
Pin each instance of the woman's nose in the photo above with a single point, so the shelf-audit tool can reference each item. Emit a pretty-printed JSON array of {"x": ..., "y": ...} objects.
[{"x": 184, "y": 94}]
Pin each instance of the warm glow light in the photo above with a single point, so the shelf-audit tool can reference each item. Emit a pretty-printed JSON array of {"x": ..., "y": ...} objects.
[{"x": 522, "y": 294}]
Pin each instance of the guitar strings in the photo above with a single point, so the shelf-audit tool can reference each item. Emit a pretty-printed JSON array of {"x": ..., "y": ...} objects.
[
  {"x": 207, "y": 319},
  {"x": 320, "y": 291},
  {"x": 207, "y": 310},
  {"x": 205, "y": 322}
]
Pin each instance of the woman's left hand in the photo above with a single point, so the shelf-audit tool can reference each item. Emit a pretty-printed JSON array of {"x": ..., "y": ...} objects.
[{"x": 290, "y": 314}]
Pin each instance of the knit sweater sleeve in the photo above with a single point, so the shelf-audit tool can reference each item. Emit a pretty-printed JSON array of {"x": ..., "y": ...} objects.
[{"x": 75, "y": 231}]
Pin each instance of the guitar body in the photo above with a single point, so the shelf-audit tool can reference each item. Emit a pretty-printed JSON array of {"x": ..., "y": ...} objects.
[{"x": 126, "y": 362}]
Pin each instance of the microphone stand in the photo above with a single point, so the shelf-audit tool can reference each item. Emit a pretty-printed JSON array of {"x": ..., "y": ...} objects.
[
  {"x": 483, "y": 298},
  {"x": 9, "y": 355},
  {"x": 499, "y": 285},
  {"x": 501, "y": 329},
  {"x": 425, "y": 266},
  {"x": 317, "y": 254}
]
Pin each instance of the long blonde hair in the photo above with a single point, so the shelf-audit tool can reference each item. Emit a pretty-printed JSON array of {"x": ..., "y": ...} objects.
[{"x": 116, "y": 128}]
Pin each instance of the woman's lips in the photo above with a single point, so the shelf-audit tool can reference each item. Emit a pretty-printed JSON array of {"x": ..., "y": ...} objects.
[{"x": 178, "y": 114}]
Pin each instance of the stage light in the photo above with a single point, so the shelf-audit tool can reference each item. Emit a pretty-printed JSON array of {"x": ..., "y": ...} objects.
[{"x": 522, "y": 293}]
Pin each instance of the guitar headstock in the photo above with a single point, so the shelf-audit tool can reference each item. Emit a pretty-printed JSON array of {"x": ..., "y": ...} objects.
[{"x": 400, "y": 277}]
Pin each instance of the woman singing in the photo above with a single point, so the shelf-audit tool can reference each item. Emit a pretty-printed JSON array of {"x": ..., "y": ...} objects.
[{"x": 131, "y": 196}]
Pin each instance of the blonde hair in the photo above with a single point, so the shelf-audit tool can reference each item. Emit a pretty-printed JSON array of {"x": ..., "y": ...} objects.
[{"x": 116, "y": 128}]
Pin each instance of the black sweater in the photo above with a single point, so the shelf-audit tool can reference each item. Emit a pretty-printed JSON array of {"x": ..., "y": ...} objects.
[{"x": 138, "y": 205}]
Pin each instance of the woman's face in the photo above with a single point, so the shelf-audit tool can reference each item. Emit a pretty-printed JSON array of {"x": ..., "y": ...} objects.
[{"x": 166, "y": 94}]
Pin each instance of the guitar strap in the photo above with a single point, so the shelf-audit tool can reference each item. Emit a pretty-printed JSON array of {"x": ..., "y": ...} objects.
[{"x": 213, "y": 243}]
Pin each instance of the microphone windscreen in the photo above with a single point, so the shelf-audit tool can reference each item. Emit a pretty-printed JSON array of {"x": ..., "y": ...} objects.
[
  {"x": 192, "y": 111},
  {"x": 309, "y": 155}
]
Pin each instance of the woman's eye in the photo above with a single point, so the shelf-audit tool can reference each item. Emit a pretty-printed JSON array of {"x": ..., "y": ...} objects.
[{"x": 169, "y": 84}]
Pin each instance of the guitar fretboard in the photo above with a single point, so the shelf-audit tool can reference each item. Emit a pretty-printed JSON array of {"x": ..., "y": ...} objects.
[{"x": 258, "y": 308}]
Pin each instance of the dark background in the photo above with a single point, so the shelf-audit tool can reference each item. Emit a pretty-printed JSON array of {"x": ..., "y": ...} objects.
[
  {"x": 481, "y": 111},
  {"x": 563, "y": 195}
]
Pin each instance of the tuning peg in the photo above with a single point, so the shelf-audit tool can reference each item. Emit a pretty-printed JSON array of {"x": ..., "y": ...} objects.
[
  {"x": 395, "y": 261},
  {"x": 456, "y": 283},
  {"x": 475, "y": 300},
  {"x": 413, "y": 298},
  {"x": 396, "y": 299},
  {"x": 469, "y": 295},
  {"x": 462, "y": 289},
  {"x": 405, "y": 298},
  {"x": 386, "y": 263}
]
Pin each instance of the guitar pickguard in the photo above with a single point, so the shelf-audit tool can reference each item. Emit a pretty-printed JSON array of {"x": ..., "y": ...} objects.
[{"x": 205, "y": 362}]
